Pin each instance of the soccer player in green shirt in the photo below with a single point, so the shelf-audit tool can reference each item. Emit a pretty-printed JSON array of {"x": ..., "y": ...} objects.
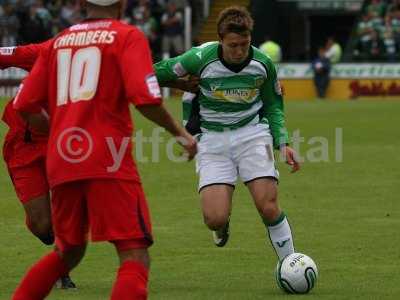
[{"x": 239, "y": 111}]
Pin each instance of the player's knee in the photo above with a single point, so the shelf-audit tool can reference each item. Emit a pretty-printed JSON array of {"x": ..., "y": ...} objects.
[
  {"x": 270, "y": 210},
  {"x": 216, "y": 221},
  {"x": 139, "y": 254}
]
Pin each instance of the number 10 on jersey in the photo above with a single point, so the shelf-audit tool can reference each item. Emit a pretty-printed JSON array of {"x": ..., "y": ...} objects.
[{"x": 77, "y": 74}]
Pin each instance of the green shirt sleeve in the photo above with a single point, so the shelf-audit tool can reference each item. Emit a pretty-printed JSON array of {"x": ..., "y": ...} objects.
[
  {"x": 164, "y": 69},
  {"x": 273, "y": 111},
  {"x": 179, "y": 66}
]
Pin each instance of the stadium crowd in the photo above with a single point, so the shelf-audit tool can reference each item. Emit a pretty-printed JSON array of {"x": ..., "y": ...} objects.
[
  {"x": 32, "y": 21},
  {"x": 378, "y": 32}
]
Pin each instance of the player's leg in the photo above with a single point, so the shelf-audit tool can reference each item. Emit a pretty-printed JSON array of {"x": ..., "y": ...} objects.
[
  {"x": 69, "y": 217},
  {"x": 217, "y": 178},
  {"x": 132, "y": 277},
  {"x": 264, "y": 192},
  {"x": 38, "y": 218},
  {"x": 30, "y": 183},
  {"x": 32, "y": 189},
  {"x": 216, "y": 204},
  {"x": 41, "y": 277},
  {"x": 118, "y": 213},
  {"x": 257, "y": 170}
]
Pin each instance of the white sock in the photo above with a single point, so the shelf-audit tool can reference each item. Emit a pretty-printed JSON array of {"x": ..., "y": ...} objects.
[{"x": 281, "y": 238}]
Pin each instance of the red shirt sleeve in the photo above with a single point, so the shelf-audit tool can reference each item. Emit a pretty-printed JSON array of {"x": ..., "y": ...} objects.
[
  {"x": 23, "y": 57},
  {"x": 32, "y": 95},
  {"x": 140, "y": 82}
]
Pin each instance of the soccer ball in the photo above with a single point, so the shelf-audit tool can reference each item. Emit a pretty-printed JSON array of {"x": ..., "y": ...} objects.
[{"x": 296, "y": 274}]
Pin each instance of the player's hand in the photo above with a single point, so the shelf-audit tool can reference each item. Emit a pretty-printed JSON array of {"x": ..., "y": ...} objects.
[
  {"x": 189, "y": 143},
  {"x": 291, "y": 158},
  {"x": 189, "y": 85}
]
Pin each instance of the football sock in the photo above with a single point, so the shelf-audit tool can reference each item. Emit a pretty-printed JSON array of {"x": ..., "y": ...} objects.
[
  {"x": 131, "y": 282},
  {"x": 280, "y": 236},
  {"x": 39, "y": 280}
]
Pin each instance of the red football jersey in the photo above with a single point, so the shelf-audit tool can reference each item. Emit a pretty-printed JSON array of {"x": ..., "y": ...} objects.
[
  {"x": 17, "y": 154},
  {"x": 87, "y": 78},
  {"x": 22, "y": 57}
]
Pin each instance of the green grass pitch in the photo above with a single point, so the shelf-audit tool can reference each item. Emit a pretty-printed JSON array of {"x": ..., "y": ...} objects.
[{"x": 346, "y": 216}]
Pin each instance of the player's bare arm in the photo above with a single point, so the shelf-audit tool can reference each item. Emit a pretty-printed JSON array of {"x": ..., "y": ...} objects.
[
  {"x": 190, "y": 84},
  {"x": 159, "y": 115}
]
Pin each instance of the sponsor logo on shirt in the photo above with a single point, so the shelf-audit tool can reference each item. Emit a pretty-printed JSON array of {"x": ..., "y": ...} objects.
[
  {"x": 7, "y": 50},
  {"x": 215, "y": 86},
  {"x": 87, "y": 26},
  {"x": 236, "y": 95},
  {"x": 152, "y": 85}
]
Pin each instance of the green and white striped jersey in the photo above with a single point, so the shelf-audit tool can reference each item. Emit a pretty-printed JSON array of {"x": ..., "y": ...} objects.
[{"x": 231, "y": 96}]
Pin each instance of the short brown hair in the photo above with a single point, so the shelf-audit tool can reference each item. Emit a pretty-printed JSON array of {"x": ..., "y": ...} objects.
[{"x": 234, "y": 19}]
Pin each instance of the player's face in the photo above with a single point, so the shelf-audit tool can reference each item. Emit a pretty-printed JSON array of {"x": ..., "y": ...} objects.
[{"x": 235, "y": 47}]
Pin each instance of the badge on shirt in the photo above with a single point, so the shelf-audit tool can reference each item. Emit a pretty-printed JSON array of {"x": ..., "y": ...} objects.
[
  {"x": 7, "y": 50},
  {"x": 179, "y": 70},
  {"x": 152, "y": 85}
]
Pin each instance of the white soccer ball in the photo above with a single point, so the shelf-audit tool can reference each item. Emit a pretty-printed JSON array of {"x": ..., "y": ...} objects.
[{"x": 296, "y": 274}]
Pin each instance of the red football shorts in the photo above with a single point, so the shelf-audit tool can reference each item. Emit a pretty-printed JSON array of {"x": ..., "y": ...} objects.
[
  {"x": 110, "y": 209},
  {"x": 30, "y": 180}
]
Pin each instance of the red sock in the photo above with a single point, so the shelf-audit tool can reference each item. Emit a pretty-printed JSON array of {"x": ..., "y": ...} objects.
[
  {"x": 131, "y": 283},
  {"x": 40, "y": 279}
]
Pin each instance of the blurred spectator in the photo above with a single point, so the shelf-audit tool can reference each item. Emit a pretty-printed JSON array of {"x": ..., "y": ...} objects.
[
  {"x": 145, "y": 22},
  {"x": 377, "y": 8},
  {"x": 43, "y": 13},
  {"x": 376, "y": 48},
  {"x": 364, "y": 30},
  {"x": 390, "y": 44},
  {"x": 393, "y": 21},
  {"x": 180, "y": 4},
  {"x": 378, "y": 32},
  {"x": 394, "y": 9},
  {"x": 9, "y": 25},
  {"x": 36, "y": 22},
  {"x": 333, "y": 50},
  {"x": 322, "y": 68},
  {"x": 69, "y": 14},
  {"x": 172, "y": 24},
  {"x": 272, "y": 49}
]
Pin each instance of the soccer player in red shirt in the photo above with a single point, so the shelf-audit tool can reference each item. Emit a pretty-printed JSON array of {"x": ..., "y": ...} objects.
[
  {"x": 87, "y": 78},
  {"x": 24, "y": 153}
]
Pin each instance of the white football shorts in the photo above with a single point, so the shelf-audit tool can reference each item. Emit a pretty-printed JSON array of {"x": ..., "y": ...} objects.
[{"x": 246, "y": 152}]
